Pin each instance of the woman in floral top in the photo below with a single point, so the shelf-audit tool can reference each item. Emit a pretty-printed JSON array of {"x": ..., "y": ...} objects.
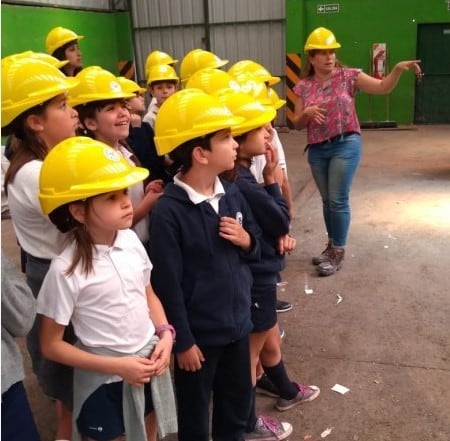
[{"x": 325, "y": 106}]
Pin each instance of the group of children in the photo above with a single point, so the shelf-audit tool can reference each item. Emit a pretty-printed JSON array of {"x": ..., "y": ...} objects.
[{"x": 114, "y": 284}]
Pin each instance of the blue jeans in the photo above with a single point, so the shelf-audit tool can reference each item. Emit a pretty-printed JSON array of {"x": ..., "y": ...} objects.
[{"x": 333, "y": 166}]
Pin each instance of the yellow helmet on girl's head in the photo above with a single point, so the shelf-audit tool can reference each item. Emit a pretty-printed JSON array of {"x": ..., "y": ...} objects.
[
  {"x": 321, "y": 39},
  {"x": 198, "y": 59},
  {"x": 189, "y": 114},
  {"x": 257, "y": 70},
  {"x": 96, "y": 84},
  {"x": 28, "y": 82},
  {"x": 255, "y": 114},
  {"x": 277, "y": 102},
  {"x": 161, "y": 72},
  {"x": 80, "y": 167},
  {"x": 39, "y": 56},
  {"x": 58, "y": 37}
]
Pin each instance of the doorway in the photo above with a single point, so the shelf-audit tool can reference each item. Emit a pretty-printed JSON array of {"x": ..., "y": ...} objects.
[{"x": 432, "y": 103}]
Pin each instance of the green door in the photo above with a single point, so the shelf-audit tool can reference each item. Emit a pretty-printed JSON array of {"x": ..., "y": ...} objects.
[{"x": 432, "y": 104}]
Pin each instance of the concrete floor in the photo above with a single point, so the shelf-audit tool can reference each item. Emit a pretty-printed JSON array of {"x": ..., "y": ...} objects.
[{"x": 388, "y": 340}]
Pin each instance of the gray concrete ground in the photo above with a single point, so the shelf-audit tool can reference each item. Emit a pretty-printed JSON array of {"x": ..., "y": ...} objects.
[{"x": 388, "y": 340}]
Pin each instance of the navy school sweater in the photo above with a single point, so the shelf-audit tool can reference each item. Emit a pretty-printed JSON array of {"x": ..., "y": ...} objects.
[
  {"x": 203, "y": 281},
  {"x": 272, "y": 215}
]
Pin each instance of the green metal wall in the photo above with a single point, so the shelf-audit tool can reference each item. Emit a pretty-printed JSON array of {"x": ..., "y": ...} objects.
[
  {"x": 359, "y": 24},
  {"x": 107, "y": 35}
]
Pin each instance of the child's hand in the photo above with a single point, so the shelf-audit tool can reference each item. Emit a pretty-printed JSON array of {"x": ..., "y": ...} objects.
[
  {"x": 190, "y": 360},
  {"x": 232, "y": 230},
  {"x": 270, "y": 168},
  {"x": 155, "y": 186},
  {"x": 160, "y": 357},
  {"x": 135, "y": 370},
  {"x": 286, "y": 244},
  {"x": 135, "y": 120}
]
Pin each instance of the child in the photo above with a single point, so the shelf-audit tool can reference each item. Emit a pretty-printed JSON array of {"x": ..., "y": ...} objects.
[
  {"x": 101, "y": 283},
  {"x": 156, "y": 58},
  {"x": 18, "y": 313},
  {"x": 62, "y": 43},
  {"x": 271, "y": 213},
  {"x": 103, "y": 112},
  {"x": 35, "y": 112},
  {"x": 202, "y": 237},
  {"x": 141, "y": 136},
  {"x": 162, "y": 82}
]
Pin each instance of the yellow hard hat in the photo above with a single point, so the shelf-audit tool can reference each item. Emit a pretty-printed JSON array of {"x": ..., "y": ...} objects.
[
  {"x": 254, "y": 86},
  {"x": 28, "y": 82},
  {"x": 256, "y": 69},
  {"x": 81, "y": 167},
  {"x": 96, "y": 84},
  {"x": 211, "y": 80},
  {"x": 130, "y": 86},
  {"x": 58, "y": 37},
  {"x": 39, "y": 56},
  {"x": 189, "y": 114},
  {"x": 162, "y": 72},
  {"x": 157, "y": 57},
  {"x": 255, "y": 114},
  {"x": 321, "y": 38},
  {"x": 198, "y": 59},
  {"x": 277, "y": 102}
]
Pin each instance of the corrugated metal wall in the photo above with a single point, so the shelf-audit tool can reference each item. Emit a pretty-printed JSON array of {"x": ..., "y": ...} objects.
[
  {"x": 232, "y": 29},
  {"x": 101, "y": 5}
]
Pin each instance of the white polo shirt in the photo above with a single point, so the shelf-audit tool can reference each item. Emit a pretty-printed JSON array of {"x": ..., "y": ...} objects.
[
  {"x": 35, "y": 232},
  {"x": 108, "y": 308}
]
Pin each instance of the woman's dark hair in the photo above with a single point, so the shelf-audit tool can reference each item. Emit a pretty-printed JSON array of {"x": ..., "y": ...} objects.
[
  {"x": 182, "y": 155},
  {"x": 27, "y": 146},
  {"x": 60, "y": 54},
  {"x": 76, "y": 232}
]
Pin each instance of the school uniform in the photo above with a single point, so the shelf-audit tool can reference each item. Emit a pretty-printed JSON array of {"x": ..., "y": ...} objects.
[
  {"x": 271, "y": 213},
  {"x": 141, "y": 140},
  {"x": 109, "y": 312},
  {"x": 41, "y": 241},
  {"x": 204, "y": 284}
]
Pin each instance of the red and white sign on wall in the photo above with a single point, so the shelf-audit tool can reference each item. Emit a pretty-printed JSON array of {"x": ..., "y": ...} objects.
[{"x": 379, "y": 60}]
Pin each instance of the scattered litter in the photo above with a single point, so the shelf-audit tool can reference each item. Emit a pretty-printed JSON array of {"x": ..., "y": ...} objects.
[
  {"x": 308, "y": 290},
  {"x": 390, "y": 236},
  {"x": 386, "y": 246},
  {"x": 282, "y": 285},
  {"x": 340, "y": 389},
  {"x": 326, "y": 432},
  {"x": 377, "y": 381},
  {"x": 307, "y": 437},
  {"x": 339, "y": 299}
]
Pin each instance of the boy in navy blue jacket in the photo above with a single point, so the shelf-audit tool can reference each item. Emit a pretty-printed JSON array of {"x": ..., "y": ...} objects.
[{"x": 202, "y": 235}]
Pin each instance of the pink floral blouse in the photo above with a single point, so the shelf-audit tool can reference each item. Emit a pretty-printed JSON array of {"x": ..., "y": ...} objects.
[{"x": 337, "y": 97}]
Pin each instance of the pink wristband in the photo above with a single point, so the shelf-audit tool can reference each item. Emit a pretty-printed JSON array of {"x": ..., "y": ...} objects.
[{"x": 159, "y": 331}]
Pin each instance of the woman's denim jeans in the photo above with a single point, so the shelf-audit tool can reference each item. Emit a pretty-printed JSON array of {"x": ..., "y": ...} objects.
[{"x": 333, "y": 166}]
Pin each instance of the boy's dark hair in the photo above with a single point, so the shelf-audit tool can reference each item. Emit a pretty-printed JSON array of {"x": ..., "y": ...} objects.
[{"x": 182, "y": 155}]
